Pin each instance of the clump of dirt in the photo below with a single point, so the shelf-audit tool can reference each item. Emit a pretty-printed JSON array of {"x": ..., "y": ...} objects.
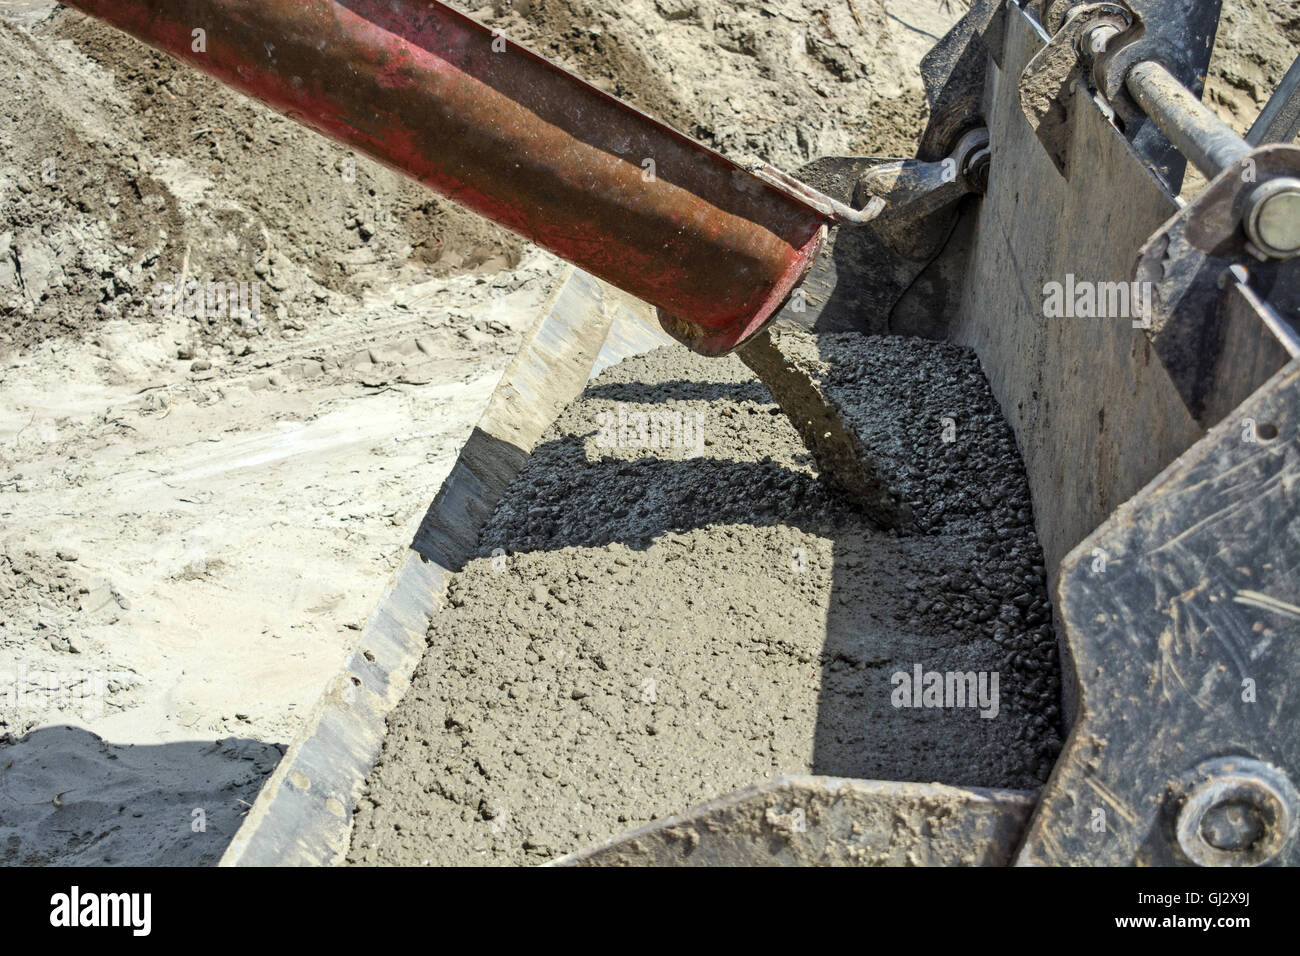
[{"x": 671, "y": 605}]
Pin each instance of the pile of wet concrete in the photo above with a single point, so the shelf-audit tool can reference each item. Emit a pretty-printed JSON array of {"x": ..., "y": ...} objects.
[{"x": 670, "y": 604}]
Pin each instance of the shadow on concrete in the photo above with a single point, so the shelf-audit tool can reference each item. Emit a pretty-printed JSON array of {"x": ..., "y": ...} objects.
[{"x": 885, "y": 615}]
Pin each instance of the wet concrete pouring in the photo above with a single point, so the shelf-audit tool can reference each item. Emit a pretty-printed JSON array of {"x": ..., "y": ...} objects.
[{"x": 670, "y": 604}]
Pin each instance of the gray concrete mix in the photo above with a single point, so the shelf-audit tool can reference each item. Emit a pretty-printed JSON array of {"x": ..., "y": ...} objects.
[{"x": 650, "y": 627}]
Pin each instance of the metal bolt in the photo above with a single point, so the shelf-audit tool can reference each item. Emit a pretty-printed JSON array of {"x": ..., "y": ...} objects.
[
  {"x": 1236, "y": 812},
  {"x": 977, "y": 169},
  {"x": 1095, "y": 40},
  {"x": 1235, "y": 273},
  {"x": 973, "y": 155},
  {"x": 1235, "y": 825},
  {"x": 1272, "y": 218}
]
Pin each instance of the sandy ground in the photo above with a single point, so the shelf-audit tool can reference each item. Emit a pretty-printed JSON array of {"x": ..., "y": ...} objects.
[{"x": 197, "y": 512}]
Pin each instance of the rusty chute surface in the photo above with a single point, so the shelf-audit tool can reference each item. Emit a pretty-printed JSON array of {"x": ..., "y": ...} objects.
[{"x": 502, "y": 131}]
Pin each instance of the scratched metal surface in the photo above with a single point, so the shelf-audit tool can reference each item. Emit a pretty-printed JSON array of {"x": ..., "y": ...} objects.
[
  {"x": 1095, "y": 414},
  {"x": 1183, "y": 615}
]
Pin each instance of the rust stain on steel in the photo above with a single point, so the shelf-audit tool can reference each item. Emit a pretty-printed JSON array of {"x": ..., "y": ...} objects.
[{"x": 500, "y": 130}]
